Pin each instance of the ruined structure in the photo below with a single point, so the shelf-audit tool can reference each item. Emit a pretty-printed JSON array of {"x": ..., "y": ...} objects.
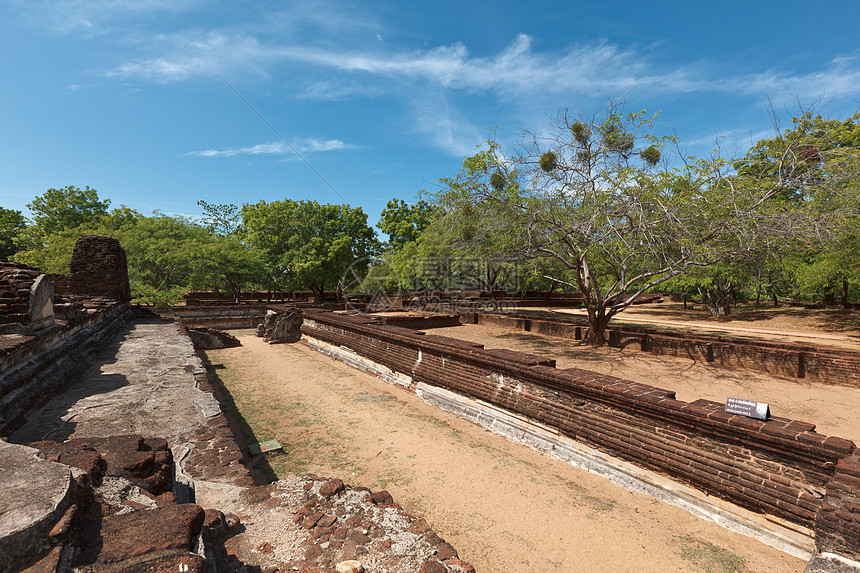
[
  {"x": 26, "y": 299},
  {"x": 89, "y": 487},
  {"x": 99, "y": 269},
  {"x": 789, "y": 360},
  {"x": 801, "y": 488},
  {"x": 135, "y": 500},
  {"x": 281, "y": 325}
]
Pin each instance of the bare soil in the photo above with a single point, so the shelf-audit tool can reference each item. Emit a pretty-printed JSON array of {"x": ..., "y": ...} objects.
[
  {"x": 504, "y": 506},
  {"x": 828, "y": 327}
]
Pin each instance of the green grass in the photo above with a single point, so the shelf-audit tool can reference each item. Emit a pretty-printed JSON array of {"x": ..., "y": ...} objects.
[{"x": 709, "y": 558}]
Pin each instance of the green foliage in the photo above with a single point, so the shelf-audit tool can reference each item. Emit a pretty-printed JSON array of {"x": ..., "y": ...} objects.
[
  {"x": 615, "y": 228},
  {"x": 651, "y": 155},
  {"x": 403, "y": 223},
  {"x": 221, "y": 219},
  {"x": 615, "y": 136},
  {"x": 51, "y": 254},
  {"x": 161, "y": 299},
  {"x": 548, "y": 161},
  {"x": 812, "y": 168},
  {"x": 67, "y": 208},
  {"x": 498, "y": 181},
  {"x": 581, "y": 132},
  {"x": 304, "y": 244},
  {"x": 12, "y": 223}
]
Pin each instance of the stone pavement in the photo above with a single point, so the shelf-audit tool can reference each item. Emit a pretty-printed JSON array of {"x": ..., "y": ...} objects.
[{"x": 143, "y": 383}]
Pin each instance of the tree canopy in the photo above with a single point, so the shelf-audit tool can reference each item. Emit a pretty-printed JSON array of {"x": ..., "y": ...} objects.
[
  {"x": 600, "y": 197},
  {"x": 66, "y": 208},
  {"x": 403, "y": 222},
  {"x": 11, "y": 224},
  {"x": 306, "y": 244}
]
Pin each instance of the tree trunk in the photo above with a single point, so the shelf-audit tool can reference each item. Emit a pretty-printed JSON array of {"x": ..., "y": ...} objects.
[
  {"x": 597, "y": 322},
  {"x": 844, "y": 293},
  {"x": 719, "y": 299},
  {"x": 828, "y": 294},
  {"x": 319, "y": 293}
]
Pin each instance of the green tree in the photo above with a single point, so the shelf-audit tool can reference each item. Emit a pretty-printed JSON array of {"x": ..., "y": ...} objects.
[
  {"x": 308, "y": 245},
  {"x": 598, "y": 197},
  {"x": 815, "y": 165},
  {"x": 66, "y": 208},
  {"x": 403, "y": 222},
  {"x": 221, "y": 219},
  {"x": 11, "y": 224}
]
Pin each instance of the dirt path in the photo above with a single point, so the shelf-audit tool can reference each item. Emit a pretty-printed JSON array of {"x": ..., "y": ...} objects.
[
  {"x": 797, "y": 335},
  {"x": 833, "y": 409},
  {"x": 504, "y": 506},
  {"x": 826, "y": 327}
]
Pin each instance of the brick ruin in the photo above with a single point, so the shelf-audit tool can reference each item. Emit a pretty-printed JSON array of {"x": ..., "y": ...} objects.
[
  {"x": 789, "y": 360},
  {"x": 99, "y": 269},
  {"x": 779, "y": 467},
  {"x": 140, "y": 502},
  {"x": 26, "y": 299},
  {"x": 805, "y": 486}
]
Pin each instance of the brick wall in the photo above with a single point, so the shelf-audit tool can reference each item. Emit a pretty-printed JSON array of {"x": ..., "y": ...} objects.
[
  {"x": 780, "y": 467},
  {"x": 15, "y": 282},
  {"x": 99, "y": 268},
  {"x": 819, "y": 364},
  {"x": 837, "y": 529}
]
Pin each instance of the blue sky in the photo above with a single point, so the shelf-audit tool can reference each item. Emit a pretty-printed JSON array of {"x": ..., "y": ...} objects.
[{"x": 134, "y": 98}]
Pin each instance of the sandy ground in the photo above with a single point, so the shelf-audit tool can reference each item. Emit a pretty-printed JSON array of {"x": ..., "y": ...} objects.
[
  {"x": 833, "y": 409},
  {"x": 504, "y": 506},
  {"x": 827, "y": 327}
]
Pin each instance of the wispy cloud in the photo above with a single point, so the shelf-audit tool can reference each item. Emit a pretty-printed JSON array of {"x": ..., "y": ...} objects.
[
  {"x": 197, "y": 54},
  {"x": 433, "y": 117},
  {"x": 68, "y": 16},
  {"x": 838, "y": 80},
  {"x": 306, "y": 145},
  {"x": 599, "y": 69}
]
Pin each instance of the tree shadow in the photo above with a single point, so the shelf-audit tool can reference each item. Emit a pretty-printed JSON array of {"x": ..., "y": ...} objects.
[
  {"x": 258, "y": 466},
  {"x": 48, "y": 418}
]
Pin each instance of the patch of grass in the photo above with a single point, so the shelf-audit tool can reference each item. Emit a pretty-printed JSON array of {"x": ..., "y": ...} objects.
[{"x": 709, "y": 558}]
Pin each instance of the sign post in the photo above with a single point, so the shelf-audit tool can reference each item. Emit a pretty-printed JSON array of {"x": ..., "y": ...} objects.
[{"x": 757, "y": 410}]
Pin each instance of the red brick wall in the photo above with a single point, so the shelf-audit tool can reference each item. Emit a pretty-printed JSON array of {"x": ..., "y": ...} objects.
[
  {"x": 99, "y": 268},
  {"x": 15, "y": 282},
  {"x": 780, "y": 467},
  {"x": 820, "y": 364},
  {"x": 837, "y": 529}
]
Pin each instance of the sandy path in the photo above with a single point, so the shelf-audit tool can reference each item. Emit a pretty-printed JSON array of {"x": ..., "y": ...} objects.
[
  {"x": 505, "y": 507},
  {"x": 825, "y": 327},
  {"x": 833, "y": 409},
  {"x": 769, "y": 334}
]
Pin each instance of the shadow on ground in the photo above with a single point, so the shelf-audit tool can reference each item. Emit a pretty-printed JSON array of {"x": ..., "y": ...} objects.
[
  {"x": 49, "y": 419},
  {"x": 259, "y": 467}
]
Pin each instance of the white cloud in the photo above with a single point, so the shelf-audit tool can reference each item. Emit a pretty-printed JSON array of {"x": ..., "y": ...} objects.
[
  {"x": 304, "y": 145},
  {"x": 840, "y": 79},
  {"x": 597, "y": 69},
  {"x": 433, "y": 117}
]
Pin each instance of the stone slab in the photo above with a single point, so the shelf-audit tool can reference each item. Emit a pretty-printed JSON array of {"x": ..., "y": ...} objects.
[
  {"x": 35, "y": 495},
  {"x": 143, "y": 384}
]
